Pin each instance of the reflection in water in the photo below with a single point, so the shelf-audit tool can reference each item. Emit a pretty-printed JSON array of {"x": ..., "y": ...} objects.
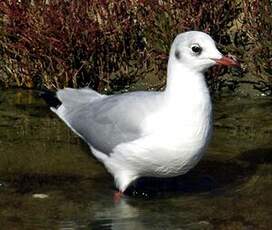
[
  {"x": 119, "y": 216},
  {"x": 39, "y": 155}
]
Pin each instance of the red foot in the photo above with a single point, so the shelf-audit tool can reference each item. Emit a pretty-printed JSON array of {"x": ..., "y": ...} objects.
[{"x": 117, "y": 197}]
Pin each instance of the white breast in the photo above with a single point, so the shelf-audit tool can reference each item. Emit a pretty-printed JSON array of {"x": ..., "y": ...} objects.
[{"x": 174, "y": 139}]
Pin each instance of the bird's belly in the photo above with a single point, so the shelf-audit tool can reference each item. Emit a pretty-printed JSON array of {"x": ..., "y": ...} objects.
[
  {"x": 168, "y": 150},
  {"x": 177, "y": 165},
  {"x": 157, "y": 156},
  {"x": 176, "y": 161},
  {"x": 175, "y": 153}
]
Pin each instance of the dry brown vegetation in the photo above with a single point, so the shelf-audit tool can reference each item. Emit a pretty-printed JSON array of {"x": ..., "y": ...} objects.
[{"x": 113, "y": 44}]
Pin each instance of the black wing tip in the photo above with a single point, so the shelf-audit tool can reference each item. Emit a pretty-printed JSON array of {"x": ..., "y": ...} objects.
[{"x": 50, "y": 98}]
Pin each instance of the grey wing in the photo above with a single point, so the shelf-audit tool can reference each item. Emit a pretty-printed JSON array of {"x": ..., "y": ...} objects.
[{"x": 104, "y": 123}]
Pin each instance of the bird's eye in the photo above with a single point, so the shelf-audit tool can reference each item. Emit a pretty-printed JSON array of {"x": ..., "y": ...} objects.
[{"x": 196, "y": 49}]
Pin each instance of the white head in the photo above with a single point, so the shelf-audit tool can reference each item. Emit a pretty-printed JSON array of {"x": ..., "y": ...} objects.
[{"x": 197, "y": 52}]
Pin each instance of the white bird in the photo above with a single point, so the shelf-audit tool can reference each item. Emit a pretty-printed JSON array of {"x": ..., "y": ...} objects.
[{"x": 147, "y": 133}]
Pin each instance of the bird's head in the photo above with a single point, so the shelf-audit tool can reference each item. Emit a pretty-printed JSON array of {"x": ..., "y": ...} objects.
[{"x": 197, "y": 51}]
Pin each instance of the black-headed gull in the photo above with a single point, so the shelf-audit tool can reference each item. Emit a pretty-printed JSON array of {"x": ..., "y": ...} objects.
[{"x": 154, "y": 134}]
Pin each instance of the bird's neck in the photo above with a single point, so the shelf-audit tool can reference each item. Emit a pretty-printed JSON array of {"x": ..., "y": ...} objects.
[
  {"x": 187, "y": 97},
  {"x": 187, "y": 92},
  {"x": 185, "y": 84}
]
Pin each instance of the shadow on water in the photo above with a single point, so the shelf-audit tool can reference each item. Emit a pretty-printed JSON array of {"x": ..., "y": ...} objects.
[
  {"x": 257, "y": 156},
  {"x": 208, "y": 176}
]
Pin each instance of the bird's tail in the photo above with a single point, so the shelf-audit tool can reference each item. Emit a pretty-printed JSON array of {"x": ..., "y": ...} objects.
[{"x": 50, "y": 98}]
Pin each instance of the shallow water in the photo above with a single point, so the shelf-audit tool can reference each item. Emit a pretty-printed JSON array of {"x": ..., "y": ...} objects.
[{"x": 49, "y": 180}]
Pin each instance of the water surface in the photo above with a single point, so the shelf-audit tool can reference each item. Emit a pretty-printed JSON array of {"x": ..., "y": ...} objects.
[{"x": 49, "y": 180}]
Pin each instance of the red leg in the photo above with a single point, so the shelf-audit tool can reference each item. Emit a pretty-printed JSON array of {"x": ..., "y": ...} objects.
[{"x": 117, "y": 196}]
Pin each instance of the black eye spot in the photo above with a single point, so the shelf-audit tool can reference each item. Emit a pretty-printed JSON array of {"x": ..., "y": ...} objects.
[
  {"x": 177, "y": 55},
  {"x": 196, "y": 49}
]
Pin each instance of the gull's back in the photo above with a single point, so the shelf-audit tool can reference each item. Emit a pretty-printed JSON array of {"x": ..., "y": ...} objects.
[{"x": 103, "y": 121}]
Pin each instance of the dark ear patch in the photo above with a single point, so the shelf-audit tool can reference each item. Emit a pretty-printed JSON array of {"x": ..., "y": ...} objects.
[{"x": 177, "y": 55}]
